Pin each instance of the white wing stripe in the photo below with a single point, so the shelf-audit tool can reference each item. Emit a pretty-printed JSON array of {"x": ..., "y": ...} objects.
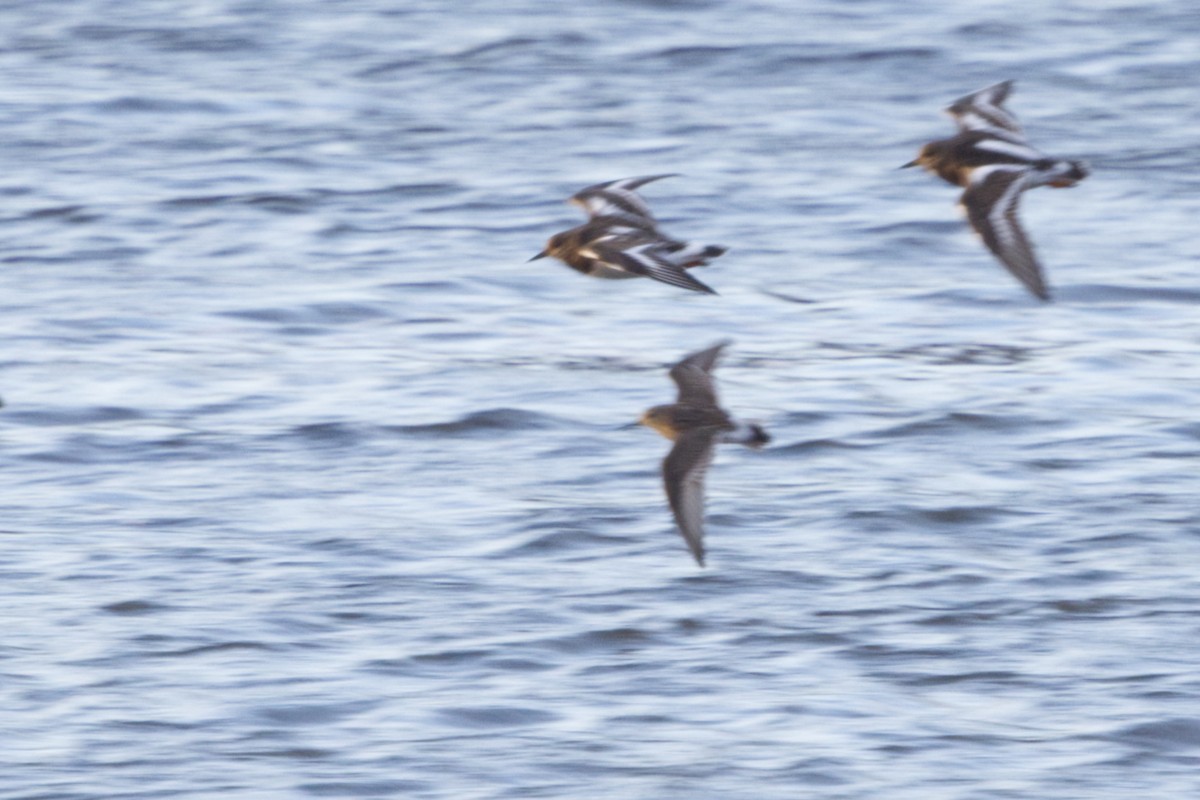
[
  {"x": 1010, "y": 149},
  {"x": 980, "y": 174},
  {"x": 998, "y": 216}
]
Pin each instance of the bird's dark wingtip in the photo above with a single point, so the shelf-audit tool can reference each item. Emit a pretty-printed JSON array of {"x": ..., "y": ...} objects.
[
  {"x": 1041, "y": 292},
  {"x": 701, "y": 288}
]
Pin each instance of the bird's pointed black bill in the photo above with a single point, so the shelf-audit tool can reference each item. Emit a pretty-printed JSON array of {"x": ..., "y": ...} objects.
[{"x": 542, "y": 254}]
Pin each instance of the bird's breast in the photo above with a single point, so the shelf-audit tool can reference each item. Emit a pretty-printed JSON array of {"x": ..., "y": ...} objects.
[{"x": 663, "y": 426}]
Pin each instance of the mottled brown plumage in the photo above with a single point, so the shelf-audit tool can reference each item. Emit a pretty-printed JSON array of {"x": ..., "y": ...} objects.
[{"x": 621, "y": 239}]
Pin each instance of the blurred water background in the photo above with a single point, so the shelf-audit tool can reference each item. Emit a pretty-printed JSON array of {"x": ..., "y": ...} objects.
[{"x": 314, "y": 488}]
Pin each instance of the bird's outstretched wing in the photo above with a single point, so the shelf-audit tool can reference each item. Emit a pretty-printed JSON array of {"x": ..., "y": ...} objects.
[
  {"x": 693, "y": 376},
  {"x": 984, "y": 111},
  {"x": 991, "y": 200},
  {"x": 617, "y": 199},
  {"x": 639, "y": 258},
  {"x": 684, "y": 469}
]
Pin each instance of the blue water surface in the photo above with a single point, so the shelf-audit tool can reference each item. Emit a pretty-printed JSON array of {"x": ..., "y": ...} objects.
[{"x": 315, "y": 488}]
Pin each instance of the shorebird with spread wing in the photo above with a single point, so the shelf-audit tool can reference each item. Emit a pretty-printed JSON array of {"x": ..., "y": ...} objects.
[
  {"x": 992, "y": 161},
  {"x": 621, "y": 239},
  {"x": 696, "y": 423}
]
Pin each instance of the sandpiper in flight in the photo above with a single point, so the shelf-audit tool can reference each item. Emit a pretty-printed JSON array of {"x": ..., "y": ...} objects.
[
  {"x": 695, "y": 423},
  {"x": 994, "y": 163},
  {"x": 621, "y": 239}
]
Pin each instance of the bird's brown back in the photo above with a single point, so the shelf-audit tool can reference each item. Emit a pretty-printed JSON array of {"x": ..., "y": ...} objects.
[{"x": 686, "y": 416}]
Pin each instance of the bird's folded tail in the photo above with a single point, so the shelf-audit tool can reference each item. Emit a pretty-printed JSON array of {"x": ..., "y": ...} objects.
[
  {"x": 748, "y": 433},
  {"x": 694, "y": 255}
]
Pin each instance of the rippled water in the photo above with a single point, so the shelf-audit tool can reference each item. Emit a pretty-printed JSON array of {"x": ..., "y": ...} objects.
[{"x": 316, "y": 489}]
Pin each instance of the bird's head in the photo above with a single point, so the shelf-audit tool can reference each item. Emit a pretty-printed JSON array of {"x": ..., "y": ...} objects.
[
  {"x": 554, "y": 246},
  {"x": 929, "y": 155}
]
